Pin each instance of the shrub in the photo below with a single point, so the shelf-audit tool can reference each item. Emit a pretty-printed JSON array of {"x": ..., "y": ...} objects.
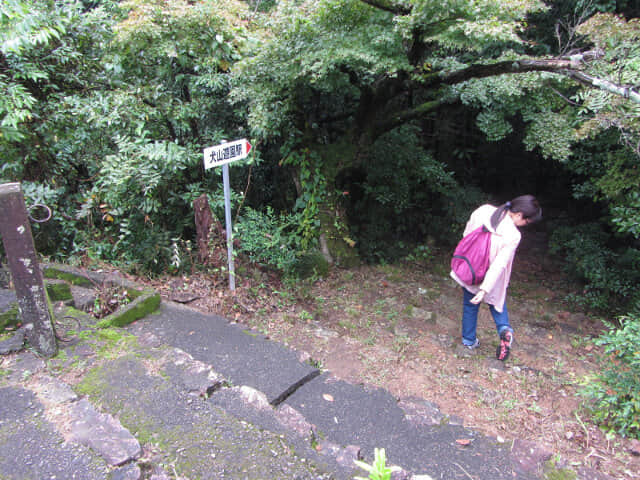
[
  {"x": 613, "y": 396},
  {"x": 268, "y": 238},
  {"x": 610, "y": 275}
]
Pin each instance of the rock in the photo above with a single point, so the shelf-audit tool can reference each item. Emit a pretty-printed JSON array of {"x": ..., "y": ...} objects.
[
  {"x": 495, "y": 364},
  {"x": 193, "y": 375},
  {"x": 528, "y": 458},
  {"x": 14, "y": 343},
  {"x": 184, "y": 297},
  {"x": 401, "y": 474},
  {"x": 348, "y": 455},
  {"x": 421, "y": 412},
  {"x": 325, "y": 334},
  {"x": 24, "y": 365},
  {"x": 54, "y": 391},
  {"x": 159, "y": 474},
  {"x": 344, "y": 456},
  {"x": 83, "y": 298},
  {"x": 448, "y": 323},
  {"x": 293, "y": 420},
  {"x": 253, "y": 397},
  {"x": 127, "y": 472},
  {"x": 102, "y": 433},
  {"x": 421, "y": 314}
]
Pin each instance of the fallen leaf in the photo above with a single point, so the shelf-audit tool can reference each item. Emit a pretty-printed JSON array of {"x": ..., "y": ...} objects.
[
  {"x": 327, "y": 397},
  {"x": 463, "y": 441}
]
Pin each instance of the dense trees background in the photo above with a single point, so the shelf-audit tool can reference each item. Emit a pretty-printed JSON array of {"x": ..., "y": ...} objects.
[{"x": 377, "y": 124}]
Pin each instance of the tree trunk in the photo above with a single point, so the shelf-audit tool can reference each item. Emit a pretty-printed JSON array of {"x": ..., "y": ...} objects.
[
  {"x": 210, "y": 234},
  {"x": 335, "y": 240}
]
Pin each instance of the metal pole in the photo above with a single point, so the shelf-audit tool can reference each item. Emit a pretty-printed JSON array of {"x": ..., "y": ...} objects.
[
  {"x": 25, "y": 271},
  {"x": 227, "y": 215}
]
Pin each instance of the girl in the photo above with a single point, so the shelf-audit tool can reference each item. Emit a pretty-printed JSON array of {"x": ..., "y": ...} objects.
[{"x": 502, "y": 222}]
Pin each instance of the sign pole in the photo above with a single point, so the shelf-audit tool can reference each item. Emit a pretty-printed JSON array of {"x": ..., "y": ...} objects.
[
  {"x": 229, "y": 228},
  {"x": 222, "y": 155}
]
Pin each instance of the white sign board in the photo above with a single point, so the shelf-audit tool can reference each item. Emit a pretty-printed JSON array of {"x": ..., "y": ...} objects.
[{"x": 226, "y": 153}]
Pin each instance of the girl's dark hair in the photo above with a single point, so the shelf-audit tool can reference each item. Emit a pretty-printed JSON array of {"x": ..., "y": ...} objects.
[{"x": 526, "y": 204}]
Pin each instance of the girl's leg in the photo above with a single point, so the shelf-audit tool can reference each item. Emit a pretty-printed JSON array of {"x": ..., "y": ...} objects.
[
  {"x": 469, "y": 318},
  {"x": 501, "y": 319}
]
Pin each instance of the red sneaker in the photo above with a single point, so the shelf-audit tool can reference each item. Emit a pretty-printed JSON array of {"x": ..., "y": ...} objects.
[{"x": 506, "y": 338}]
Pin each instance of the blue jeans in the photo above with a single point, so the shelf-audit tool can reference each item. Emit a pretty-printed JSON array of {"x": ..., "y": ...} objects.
[{"x": 470, "y": 318}]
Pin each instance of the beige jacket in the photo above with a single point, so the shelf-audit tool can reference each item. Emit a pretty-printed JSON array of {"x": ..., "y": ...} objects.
[{"x": 504, "y": 242}]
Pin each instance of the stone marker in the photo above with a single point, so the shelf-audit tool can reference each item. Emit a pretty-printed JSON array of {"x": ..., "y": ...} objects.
[{"x": 27, "y": 277}]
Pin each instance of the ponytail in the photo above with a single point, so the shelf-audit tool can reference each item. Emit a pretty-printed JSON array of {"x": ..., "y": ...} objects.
[
  {"x": 526, "y": 204},
  {"x": 499, "y": 214}
]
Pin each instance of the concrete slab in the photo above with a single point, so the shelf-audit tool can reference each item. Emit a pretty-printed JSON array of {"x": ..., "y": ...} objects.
[
  {"x": 243, "y": 357},
  {"x": 198, "y": 439},
  {"x": 371, "y": 418},
  {"x": 32, "y": 448}
]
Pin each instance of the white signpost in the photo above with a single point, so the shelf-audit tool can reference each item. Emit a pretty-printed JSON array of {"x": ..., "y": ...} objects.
[{"x": 223, "y": 155}]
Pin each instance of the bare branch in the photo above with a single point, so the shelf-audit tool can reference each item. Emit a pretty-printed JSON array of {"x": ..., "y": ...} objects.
[{"x": 591, "y": 81}]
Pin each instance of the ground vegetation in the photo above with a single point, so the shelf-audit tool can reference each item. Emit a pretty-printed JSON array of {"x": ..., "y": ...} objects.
[{"x": 377, "y": 127}]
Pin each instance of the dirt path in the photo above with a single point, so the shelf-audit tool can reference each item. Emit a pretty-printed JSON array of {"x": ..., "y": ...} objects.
[{"x": 397, "y": 327}]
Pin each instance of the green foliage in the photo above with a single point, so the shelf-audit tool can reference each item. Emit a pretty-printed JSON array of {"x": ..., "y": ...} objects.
[
  {"x": 619, "y": 40},
  {"x": 23, "y": 27},
  {"x": 303, "y": 55},
  {"x": 627, "y": 216},
  {"x": 378, "y": 470},
  {"x": 268, "y": 238},
  {"x": 551, "y": 133},
  {"x": 613, "y": 396},
  {"x": 314, "y": 191},
  {"x": 114, "y": 117},
  {"x": 611, "y": 276},
  {"x": 134, "y": 201}
]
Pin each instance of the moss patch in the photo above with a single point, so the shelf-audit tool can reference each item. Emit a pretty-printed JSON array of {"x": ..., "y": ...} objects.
[
  {"x": 59, "y": 292},
  {"x": 10, "y": 318},
  {"x": 139, "y": 308},
  {"x": 552, "y": 472},
  {"x": 72, "y": 278}
]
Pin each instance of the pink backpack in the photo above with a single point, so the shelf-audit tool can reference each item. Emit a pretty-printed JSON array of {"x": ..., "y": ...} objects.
[{"x": 470, "y": 260}]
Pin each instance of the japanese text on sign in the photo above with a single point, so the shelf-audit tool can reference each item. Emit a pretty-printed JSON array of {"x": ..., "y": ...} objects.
[{"x": 226, "y": 153}]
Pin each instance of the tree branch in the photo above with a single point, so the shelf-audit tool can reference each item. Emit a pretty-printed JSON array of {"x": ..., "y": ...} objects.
[
  {"x": 569, "y": 68},
  {"x": 590, "y": 81},
  {"x": 406, "y": 116},
  {"x": 389, "y": 6}
]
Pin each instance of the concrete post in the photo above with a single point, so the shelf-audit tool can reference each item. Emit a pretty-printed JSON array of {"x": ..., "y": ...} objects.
[{"x": 25, "y": 271}]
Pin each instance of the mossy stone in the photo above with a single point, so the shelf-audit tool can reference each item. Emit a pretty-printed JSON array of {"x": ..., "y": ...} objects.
[
  {"x": 309, "y": 264},
  {"x": 139, "y": 308},
  {"x": 59, "y": 292},
  {"x": 10, "y": 318},
  {"x": 72, "y": 278}
]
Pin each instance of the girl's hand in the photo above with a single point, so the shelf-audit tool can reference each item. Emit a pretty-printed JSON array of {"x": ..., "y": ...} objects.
[{"x": 479, "y": 297}]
